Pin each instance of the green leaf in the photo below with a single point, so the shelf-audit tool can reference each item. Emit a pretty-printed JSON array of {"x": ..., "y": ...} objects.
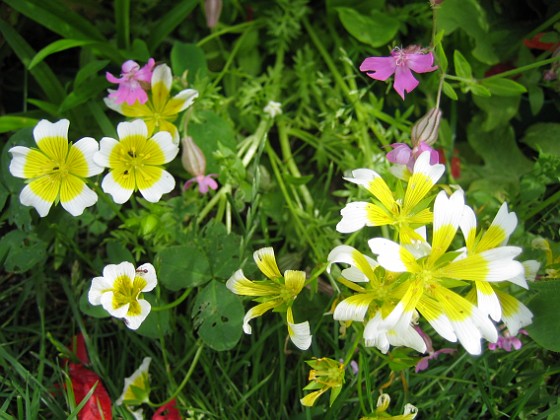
[
  {"x": 182, "y": 266},
  {"x": 298, "y": 180},
  {"x": 545, "y": 329},
  {"x": 57, "y": 46},
  {"x": 21, "y": 251},
  {"x": 462, "y": 66},
  {"x": 122, "y": 22},
  {"x": 441, "y": 58},
  {"x": 218, "y": 316},
  {"x": 222, "y": 249},
  {"x": 478, "y": 90},
  {"x": 88, "y": 71},
  {"x": 118, "y": 253},
  {"x": 157, "y": 323},
  {"x": 544, "y": 137},
  {"x": 376, "y": 30},
  {"x": 449, "y": 91},
  {"x": 503, "y": 87},
  {"x": 168, "y": 22},
  {"x": 188, "y": 57},
  {"x": 12, "y": 123},
  {"x": 498, "y": 110},
  {"x": 83, "y": 93},
  {"x": 536, "y": 98},
  {"x": 95, "y": 311}
]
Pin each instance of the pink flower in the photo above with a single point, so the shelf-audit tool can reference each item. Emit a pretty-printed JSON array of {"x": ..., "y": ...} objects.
[
  {"x": 400, "y": 63},
  {"x": 204, "y": 182},
  {"x": 424, "y": 362},
  {"x": 132, "y": 82},
  {"x": 507, "y": 342},
  {"x": 194, "y": 163},
  {"x": 402, "y": 154}
]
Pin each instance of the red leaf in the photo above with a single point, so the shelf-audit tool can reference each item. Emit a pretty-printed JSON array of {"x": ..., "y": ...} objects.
[{"x": 168, "y": 411}]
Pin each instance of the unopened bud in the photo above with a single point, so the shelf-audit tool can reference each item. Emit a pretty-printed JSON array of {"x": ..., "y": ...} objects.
[
  {"x": 192, "y": 158},
  {"x": 213, "y": 9},
  {"x": 426, "y": 128}
]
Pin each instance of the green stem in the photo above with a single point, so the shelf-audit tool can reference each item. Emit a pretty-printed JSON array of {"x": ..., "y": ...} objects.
[
  {"x": 352, "y": 349},
  {"x": 229, "y": 61},
  {"x": 523, "y": 68},
  {"x": 549, "y": 22},
  {"x": 176, "y": 302},
  {"x": 226, "y": 189},
  {"x": 109, "y": 201},
  {"x": 553, "y": 199},
  {"x": 185, "y": 379},
  {"x": 230, "y": 29}
]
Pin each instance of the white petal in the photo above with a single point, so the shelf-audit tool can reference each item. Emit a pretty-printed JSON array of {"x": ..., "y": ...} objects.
[
  {"x": 162, "y": 186},
  {"x": 501, "y": 265},
  {"x": 518, "y": 320},
  {"x": 531, "y": 269},
  {"x": 363, "y": 177},
  {"x": 78, "y": 204},
  {"x": 354, "y": 274},
  {"x": 469, "y": 336},
  {"x": 443, "y": 327},
  {"x": 166, "y": 144},
  {"x": 422, "y": 165},
  {"x": 45, "y": 129},
  {"x": 506, "y": 220},
  {"x": 99, "y": 286},
  {"x": 389, "y": 254},
  {"x": 148, "y": 273},
  {"x": 19, "y": 158},
  {"x": 187, "y": 95},
  {"x": 132, "y": 128},
  {"x": 110, "y": 186},
  {"x": 107, "y": 303},
  {"x": 113, "y": 271},
  {"x": 489, "y": 304},
  {"x": 134, "y": 321},
  {"x": 407, "y": 337},
  {"x": 101, "y": 158},
  {"x": 300, "y": 335},
  {"x": 236, "y": 277},
  {"x": 112, "y": 104},
  {"x": 354, "y": 217},
  {"x": 448, "y": 211},
  {"x": 88, "y": 146},
  {"x": 162, "y": 73},
  {"x": 468, "y": 223},
  {"x": 348, "y": 311},
  {"x": 28, "y": 198}
]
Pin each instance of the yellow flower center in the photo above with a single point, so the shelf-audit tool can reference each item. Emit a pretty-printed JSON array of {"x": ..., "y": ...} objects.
[{"x": 126, "y": 291}]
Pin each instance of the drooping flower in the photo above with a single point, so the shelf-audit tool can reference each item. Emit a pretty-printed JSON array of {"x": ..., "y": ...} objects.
[
  {"x": 401, "y": 63},
  {"x": 326, "y": 374},
  {"x": 135, "y": 162},
  {"x": 137, "y": 386},
  {"x": 406, "y": 214},
  {"x": 276, "y": 292},
  {"x": 133, "y": 83},
  {"x": 161, "y": 110},
  {"x": 194, "y": 162},
  {"x": 56, "y": 169},
  {"x": 383, "y": 402},
  {"x": 273, "y": 109},
  {"x": 98, "y": 406},
  {"x": 373, "y": 303},
  {"x": 433, "y": 272},
  {"x": 120, "y": 290}
]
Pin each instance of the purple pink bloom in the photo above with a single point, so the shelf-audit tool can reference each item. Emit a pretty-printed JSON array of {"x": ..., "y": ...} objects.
[
  {"x": 401, "y": 63},
  {"x": 507, "y": 342},
  {"x": 133, "y": 82},
  {"x": 402, "y": 154},
  {"x": 194, "y": 163}
]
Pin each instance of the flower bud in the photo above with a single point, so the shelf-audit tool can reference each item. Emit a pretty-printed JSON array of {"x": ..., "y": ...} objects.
[
  {"x": 213, "y": 9},
  {"x": 192, "y": 158},
  {"x": 426, "y": 128}
]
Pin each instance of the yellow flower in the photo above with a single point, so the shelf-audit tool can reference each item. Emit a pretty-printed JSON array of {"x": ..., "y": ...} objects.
[
  {"x": 277, "y": 292},
  {"x": 56, "y": 170},
  {"x": 327, "y": 374},
  {"x": 161, "y": 110},
  {"x": 137, "y": 386}
]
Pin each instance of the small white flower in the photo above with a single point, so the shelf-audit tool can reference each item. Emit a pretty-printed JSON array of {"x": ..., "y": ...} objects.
[
  {"x": 137, "y": 386},
  {"x": 273, "y": 108},
  {"x": 119, "y": 289}
]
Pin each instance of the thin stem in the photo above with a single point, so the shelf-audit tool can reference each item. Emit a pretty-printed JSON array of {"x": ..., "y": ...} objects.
[
  {"x": 523, "y": 68},
  {"x": 352, "y": 349},
  {"x": 236, "y": 28},
  {"x": 537, "y": 209},
  {"x": 229, "y": 61},
  {"x": 226, "y": 189},
  {"x": 173, "y": 304},
  {"x": 185, "y": 379}
]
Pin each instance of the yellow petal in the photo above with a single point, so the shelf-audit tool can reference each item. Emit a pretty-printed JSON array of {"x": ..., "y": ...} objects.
[{"x": 265, "y": 260}]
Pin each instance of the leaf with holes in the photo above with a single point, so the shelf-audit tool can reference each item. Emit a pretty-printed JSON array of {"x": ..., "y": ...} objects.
[{"x": 218, "y": 315}]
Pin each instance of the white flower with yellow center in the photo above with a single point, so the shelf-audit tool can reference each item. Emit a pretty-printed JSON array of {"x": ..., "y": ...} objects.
[
  {"x": 56, "y": 170},
  {"x": 120, "y": 290},
  {"x": 277, "y": 292},
  {"x": 137, "y": 386},
  {"x": 161, "y": 110},
  {"x": 433, "y": 271},
  {"x": 135, "y": 162},
  {"x": 404, "y": 215}
]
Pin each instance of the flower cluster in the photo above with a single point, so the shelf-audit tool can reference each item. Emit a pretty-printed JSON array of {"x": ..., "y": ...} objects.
[{"x": 415, "y": 277}]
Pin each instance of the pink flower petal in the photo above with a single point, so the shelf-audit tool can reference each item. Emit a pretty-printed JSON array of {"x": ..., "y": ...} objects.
[
  {"x": 379, "y": 68},
  {"x": 401, "y": 154},
  {"x": 404, "y": 81},
  {"x": 421, "y": 63}
]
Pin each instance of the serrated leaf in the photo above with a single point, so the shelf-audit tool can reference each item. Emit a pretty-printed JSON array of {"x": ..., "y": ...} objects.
[
  {"x": 218, "y": 316},
  {"x": 182, "y": 266},
  {"x": 545, "y": 329},
  {"x": 376, "y": 29},
  {"x": 503, "y": 87}
]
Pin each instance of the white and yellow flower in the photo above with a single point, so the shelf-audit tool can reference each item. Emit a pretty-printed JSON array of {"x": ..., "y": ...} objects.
[
  {"x": 135, "y": 162},
  {"x": 137, "y": 386},
  {"x": 120, "y": 290},
  {"x": 434, "y": 271},
  {"x": 404, "y": 215},
  {"x": 56, "y": 169},
  {"x": 161, "y": 110},
  {"x": 277, "y": 292}
]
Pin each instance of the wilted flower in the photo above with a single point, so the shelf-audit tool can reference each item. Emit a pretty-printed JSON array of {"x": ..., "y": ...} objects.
[
  {"x": 135, "y": 162},
  {"x": 400, "y": 63},
  {"x": 194, "y": 163},
  {"x": 120, "y": 290},
  {"x": 137, "y": 386},
  {"x": 326, "y": 374},
  {"x": 161, "y": 110},
  {"x": 277, "y": 292},
  {"x": 133, "y": 83},
  {"x": 56, "y": 170}
]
